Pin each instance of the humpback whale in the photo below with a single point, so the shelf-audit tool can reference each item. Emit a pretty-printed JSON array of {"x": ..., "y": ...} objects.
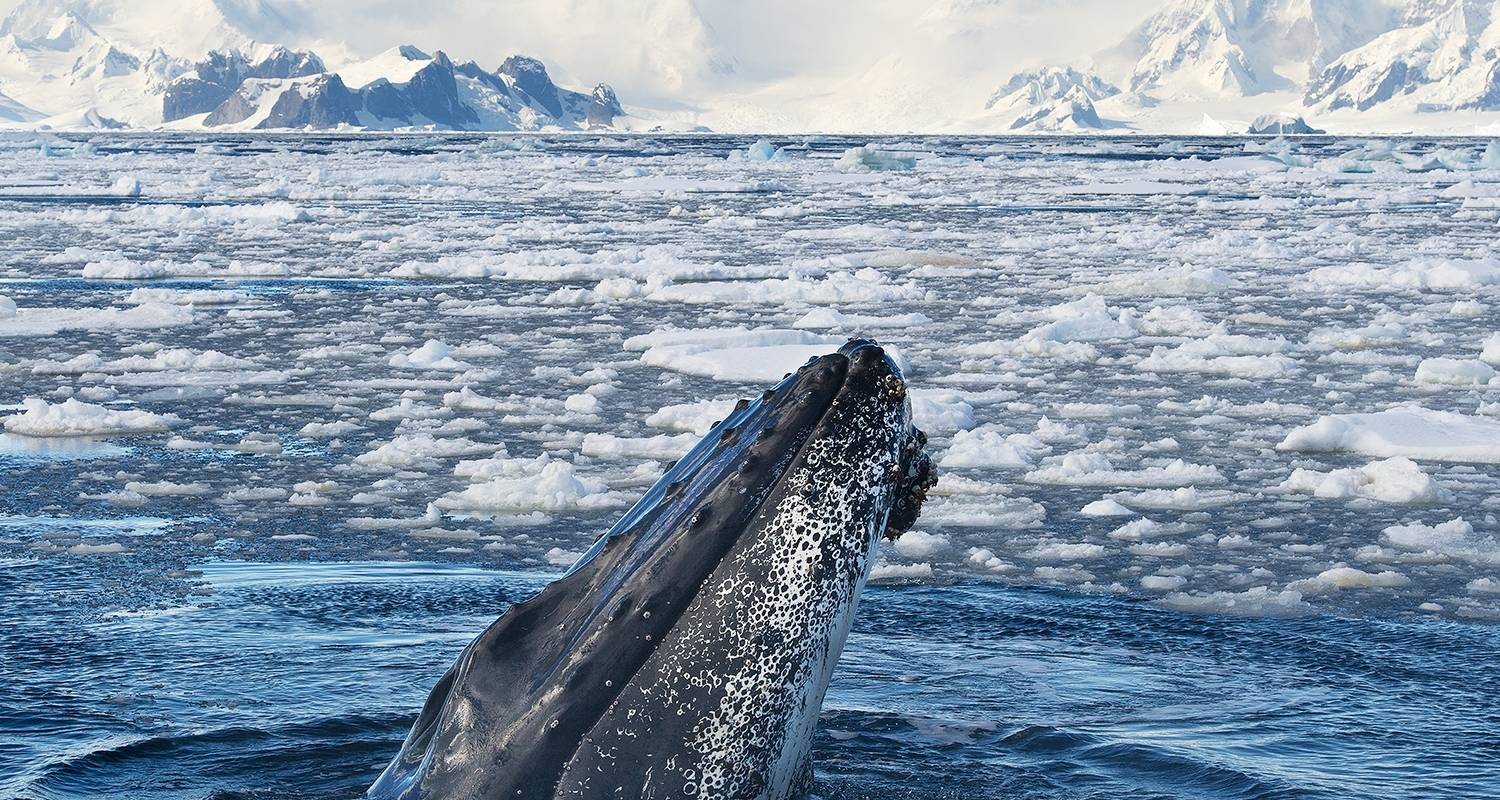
[{"x": 686, "y": 654}]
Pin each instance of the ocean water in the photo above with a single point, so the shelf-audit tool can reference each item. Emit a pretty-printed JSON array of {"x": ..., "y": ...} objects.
[
  {"x": 297, "y": 680},
  {"x": 397, "y": 382}
]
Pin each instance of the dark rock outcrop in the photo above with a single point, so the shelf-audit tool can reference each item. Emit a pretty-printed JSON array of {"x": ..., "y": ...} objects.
[
  {"x": 230, "y": 90},
  {"x": 604, "y": 106},
  {"x": 320, "y": 102},
  {"x": 530, "y": 76},
  {"x": 221, "y": 73},
  {"x": 433, "y": 93}
]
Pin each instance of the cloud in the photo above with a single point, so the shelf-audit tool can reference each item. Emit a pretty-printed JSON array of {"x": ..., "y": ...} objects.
[
  {"x": 669, "y": 52},
  {"x": 782, "y": 63}
]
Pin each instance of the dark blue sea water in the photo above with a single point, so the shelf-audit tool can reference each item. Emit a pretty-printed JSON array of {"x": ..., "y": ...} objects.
[{"x": 298, "y": 680}]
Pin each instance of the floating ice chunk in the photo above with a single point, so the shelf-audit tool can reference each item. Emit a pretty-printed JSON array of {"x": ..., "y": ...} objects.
[
  {"x": 467, "y": 399},
  {"x": 1411, "y": 431},
  {"x": 737, "y": 364},
  {"x": 1393, "y": 480},
  {"x": 7, "y": 307},
  {"x": 606, "y": 290},
  {"x": 989, "y": 446},
  {"x": 920, "y": 544},
  {"x": 761, "y": 150},
  {"x": 1066, "y": 575},
  {"x": 415, "y": 448},
  {"x": 984, "y": 558},
  {"x": 1372, "y": 335},
  {"x": 1347, "y": 577},
  {"x": 407, "y": 408},
  {"x": 1163, "y": 583},
  {"x": 1223, "y": 354},
  {"x": 1454, "y": 372},
  {"x": 72, "y": 418},
  {"x": 1452, "y": 539},
  {"x": 1081, "y": 352},
  {"x": 559, "y": 557},
  {"x": 823, "y": 318},
  {"x": 695, "y": 418},
  {"x": 1064, "y": 551},
  {"x": 99, "y": 549},
  {"x": 1183, "y": 280},
  {"x": 1186, "y": 498},
  {"x": 731, "y": 354},
  {"x": 869, "y": 158},
  {"x": 582, "y": 403},
  {"x": 1006, "y": 513},
  {"x": 940, "y": 410},
  {"x": 167, "y": 488},
  {"x": 186, "y": 297},
  {"x": 125, "y": 186},
  {"x": 1138, "y": 529},
  {"x": 884, "y": 572},
  {"x": 431, "y": 517},
  {"x": 1105, "y": 508},
  {"x": 328, "y": 430},
  {"x": 48, "y": 321},
  {"x": 1491, "y": 353},
  {"x": 432, "y": 355},
  {"x": 1260, "y": 601},
  {"x": 1175, "y": 321},
  {"x": 252, "y": 494},
  {"x": 714, "y": 338},
  {"x": 1087, "y": 319},
  {"x": 1420, "y": 273},
  {"x": 664, "y": 446},
  {"x": 123, "y": 269},
  {"x": 1095, "y": 469},
  {"x": 541, "y": 485},
  {"x": 1488, "y": 586},
  {"x": 259, "y": 443},
  {"x": 1097, "y": 410},
  {"x": 169, "y": 360}
]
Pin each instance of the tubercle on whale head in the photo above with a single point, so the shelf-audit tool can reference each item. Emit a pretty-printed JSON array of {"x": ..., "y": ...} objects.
[{"x": 912, "y": 473}]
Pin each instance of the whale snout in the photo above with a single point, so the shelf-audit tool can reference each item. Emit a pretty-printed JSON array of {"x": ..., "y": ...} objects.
[{"x": 872, "y": 371}]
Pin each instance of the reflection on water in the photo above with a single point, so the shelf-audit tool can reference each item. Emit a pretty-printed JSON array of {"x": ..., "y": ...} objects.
[{"x": 56, "y": 448}]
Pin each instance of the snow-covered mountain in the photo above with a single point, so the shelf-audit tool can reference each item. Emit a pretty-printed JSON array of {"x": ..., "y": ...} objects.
[
  {"x": 1398, "y": 58},
  {"x": 899, "y": 65},
  {"x": 1444, "y": 56},
  {"x": 1052, "y": 99},
  {"x": 102, "y": 63},
  {"x": 11, "y": 111}
]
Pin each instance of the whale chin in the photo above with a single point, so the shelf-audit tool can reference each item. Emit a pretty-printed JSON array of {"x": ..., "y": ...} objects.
[{"x": 686, "y": 654}]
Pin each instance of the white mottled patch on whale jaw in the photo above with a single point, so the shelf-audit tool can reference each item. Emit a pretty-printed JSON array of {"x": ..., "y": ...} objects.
[{"x": 749, "y": 661}]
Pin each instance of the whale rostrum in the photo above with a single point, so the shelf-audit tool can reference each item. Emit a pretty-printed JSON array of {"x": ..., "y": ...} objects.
[{"x": 687, "y": 653}]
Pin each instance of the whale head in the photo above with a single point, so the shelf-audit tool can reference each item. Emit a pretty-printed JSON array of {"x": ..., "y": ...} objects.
[{"x": 686, "y": 654}]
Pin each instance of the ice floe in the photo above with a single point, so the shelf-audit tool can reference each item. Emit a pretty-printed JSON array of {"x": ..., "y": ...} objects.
[
  {"x": 74, "y": 418},
  {"x": 1410, "y": 431}
]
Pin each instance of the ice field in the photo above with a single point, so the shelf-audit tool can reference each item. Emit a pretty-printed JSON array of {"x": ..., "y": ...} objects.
[{"x": 1166, "y": 380}]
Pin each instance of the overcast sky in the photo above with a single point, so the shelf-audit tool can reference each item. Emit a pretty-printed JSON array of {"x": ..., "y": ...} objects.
[
  {"x": 678, "y": 51},
  {"x": 645, "y": 46}
]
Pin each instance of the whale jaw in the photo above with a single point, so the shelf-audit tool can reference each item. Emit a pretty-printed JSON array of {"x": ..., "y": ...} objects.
[{"x": 688, "y": 653}]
